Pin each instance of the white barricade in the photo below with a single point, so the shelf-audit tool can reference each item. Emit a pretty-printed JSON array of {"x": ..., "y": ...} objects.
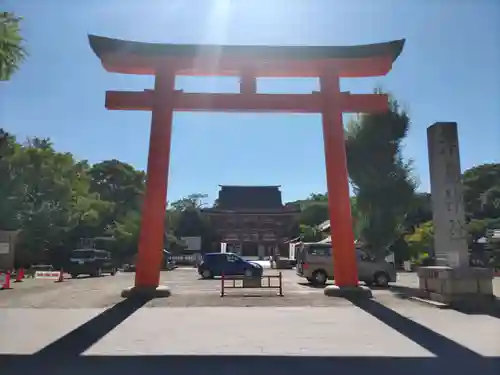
[{"x": 49, "y": 275}]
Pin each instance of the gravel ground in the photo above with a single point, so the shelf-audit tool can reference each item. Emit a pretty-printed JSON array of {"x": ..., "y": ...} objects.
[{"x": 187, "y": 290}]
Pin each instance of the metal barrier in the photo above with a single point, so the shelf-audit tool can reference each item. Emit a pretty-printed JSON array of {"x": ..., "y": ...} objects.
[
  {"x": 251, "y": 283},
  {"x": 186, "y": 259}
]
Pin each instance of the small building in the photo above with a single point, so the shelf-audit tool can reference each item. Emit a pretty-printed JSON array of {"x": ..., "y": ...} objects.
[
  {"x": 252, "y": 220},
  {"x": 325, "y": 228}
]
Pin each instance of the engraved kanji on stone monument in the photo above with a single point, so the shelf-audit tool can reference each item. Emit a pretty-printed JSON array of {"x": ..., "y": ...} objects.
[{"x": 450, "y": 235}]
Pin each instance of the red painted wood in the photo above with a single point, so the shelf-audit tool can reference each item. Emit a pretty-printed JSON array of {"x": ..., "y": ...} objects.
[
  {"x": 290, "y": 103},
  {"x": 337, "y": 180},
  {"x": 150, "y": 253},
  {"x": 348, "y": 68}
]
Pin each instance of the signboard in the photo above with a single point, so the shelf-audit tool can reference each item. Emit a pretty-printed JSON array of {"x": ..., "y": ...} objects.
[
  {"x": 184, "y": 257},
  {"x": 192, "y": 243},
  {"x": 51, "y": 275},
  {"x": 4, "y": 248},
  {"x": 7, "y": 248},
  {"x": 269, "y": 236},
  {"x": 231, "y": 237}
]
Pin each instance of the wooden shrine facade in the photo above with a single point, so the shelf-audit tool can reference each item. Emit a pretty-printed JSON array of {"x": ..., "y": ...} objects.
[{"x": 252, "y": 220}]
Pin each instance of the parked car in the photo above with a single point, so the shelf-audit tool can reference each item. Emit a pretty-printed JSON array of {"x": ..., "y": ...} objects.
[
  {"x": 314, "y": 262},
  {"x": 129, "y": 268},
  {"x": 229, "y": 264},
  {"x": 90, "y": 262}
]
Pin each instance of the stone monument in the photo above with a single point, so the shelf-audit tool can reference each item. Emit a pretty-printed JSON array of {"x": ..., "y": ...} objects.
[{"x": 451, "y": 280}]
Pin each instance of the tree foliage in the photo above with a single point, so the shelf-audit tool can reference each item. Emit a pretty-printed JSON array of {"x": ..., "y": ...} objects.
[
  {"x": 421, "y": 241},
  {"x": 381, "y": 178},
  {"x": 482, "y": 191},
  {"x": 12, "y": 51},
  {"x": 55, "y": 200}
]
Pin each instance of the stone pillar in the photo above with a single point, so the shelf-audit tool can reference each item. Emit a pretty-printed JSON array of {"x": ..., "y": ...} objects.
[
  {"x": 450, "y": 234},
  {"x": 451, "y": 281}
]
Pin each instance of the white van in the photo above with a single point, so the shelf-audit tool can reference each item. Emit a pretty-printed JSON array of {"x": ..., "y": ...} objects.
[{"x": 315, "y": 263}]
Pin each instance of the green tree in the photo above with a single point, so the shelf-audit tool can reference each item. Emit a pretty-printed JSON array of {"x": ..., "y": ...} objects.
[
  {"x": 476, "y": 229},
  {"x": 185, "y": 219},
  {"x": 45, "y": 210},
  {"x": 309, "y": 233},
  {"x": 482, "y": 191},
  {"x": 12, "y": 51},
  {"x": 380, "y": 177},
  {"x": 314, "y": 213},
  {"x": 119, "y": 183},
  {"x": 421, "y": 241},
  {"x": 186, "y": 216},
  {"x": 419, "y": 212},
  {"x": 11, "y": 186},
  {"x": 191, "y": 202},
  {"x": 126, "y": 235},
  {"x": 314, "y": 209}
]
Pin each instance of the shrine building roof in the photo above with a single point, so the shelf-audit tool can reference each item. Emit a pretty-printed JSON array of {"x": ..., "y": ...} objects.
[{"x": 250, "y": 199}]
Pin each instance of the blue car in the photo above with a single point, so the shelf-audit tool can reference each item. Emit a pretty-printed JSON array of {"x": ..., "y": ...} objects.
[{"x": 229, "y": 264}]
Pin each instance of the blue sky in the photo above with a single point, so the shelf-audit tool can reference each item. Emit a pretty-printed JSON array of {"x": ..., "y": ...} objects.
[{"x": 448, "y": 71}]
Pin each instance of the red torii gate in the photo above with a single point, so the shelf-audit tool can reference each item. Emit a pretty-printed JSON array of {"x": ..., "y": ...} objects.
[{"x": 166, "y": 61}]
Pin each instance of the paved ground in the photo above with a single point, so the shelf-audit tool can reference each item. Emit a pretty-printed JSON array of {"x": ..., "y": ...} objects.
[
  {"x": 187, "y": 290},
  {"x": 82, "y": 326}
]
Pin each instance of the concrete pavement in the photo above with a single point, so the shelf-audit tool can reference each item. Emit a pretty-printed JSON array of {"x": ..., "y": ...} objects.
[
  {"x": 386, "y": 335},
  {"x": 369, "y": 337}
]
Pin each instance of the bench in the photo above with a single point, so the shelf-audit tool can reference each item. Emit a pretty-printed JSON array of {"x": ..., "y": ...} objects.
[{"x": 242, "y": 282}]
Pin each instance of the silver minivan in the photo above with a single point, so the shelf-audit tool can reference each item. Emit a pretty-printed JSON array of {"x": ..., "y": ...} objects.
[{"x": 315, "y": 263}]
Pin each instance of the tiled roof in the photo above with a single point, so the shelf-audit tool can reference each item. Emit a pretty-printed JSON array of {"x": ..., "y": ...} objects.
[{"x": 249, "y": 198}]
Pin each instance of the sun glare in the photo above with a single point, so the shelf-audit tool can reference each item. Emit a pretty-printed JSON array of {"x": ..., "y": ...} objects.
[{"x": 215, "y": 32}]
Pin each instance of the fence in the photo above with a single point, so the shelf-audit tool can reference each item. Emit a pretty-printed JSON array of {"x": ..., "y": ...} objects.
[
  {"x": 185, "y": 259},
  {"x": 251, "y": 283}
]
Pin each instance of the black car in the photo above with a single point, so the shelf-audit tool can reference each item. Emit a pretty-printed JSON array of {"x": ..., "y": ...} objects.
[
  {"x": 229, "y": 264},
  {"x": 91, "y": 262}
]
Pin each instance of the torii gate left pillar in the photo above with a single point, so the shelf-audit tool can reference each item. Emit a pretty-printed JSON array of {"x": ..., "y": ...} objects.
[
  {"x": 150, "y": 253},
  {"x": 167, "y": 61}
]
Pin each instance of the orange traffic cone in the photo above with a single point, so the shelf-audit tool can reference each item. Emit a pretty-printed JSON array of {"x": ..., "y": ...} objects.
[
  {"x": 6, "y": 283},
  {"x": 19, "y": 275}
]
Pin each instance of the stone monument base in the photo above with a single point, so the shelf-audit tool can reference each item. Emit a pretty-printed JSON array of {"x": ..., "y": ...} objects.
[
  {"x": 467, "y": 287},
  {"x": 348, "y": 292},
  {"x": 161, "y": 291}
]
